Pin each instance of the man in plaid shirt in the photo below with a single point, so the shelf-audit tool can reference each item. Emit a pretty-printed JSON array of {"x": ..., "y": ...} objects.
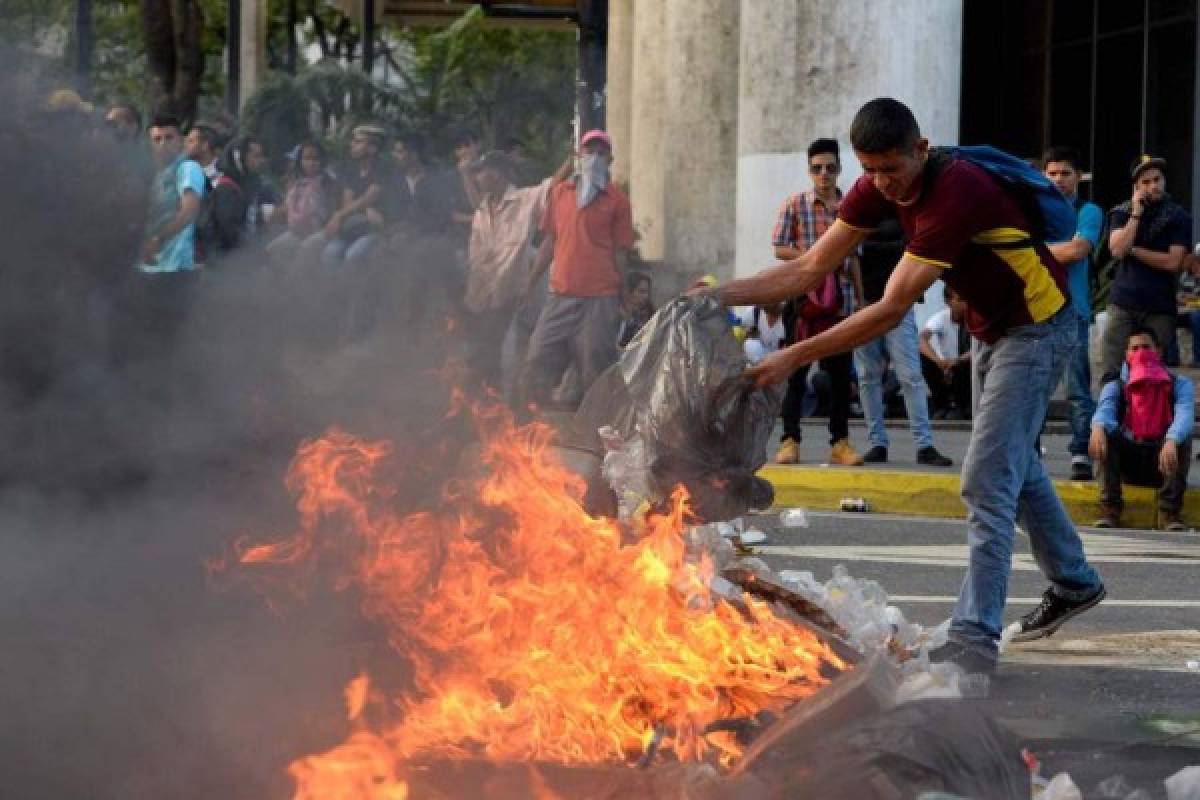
[{"x": 802, "y": 220}]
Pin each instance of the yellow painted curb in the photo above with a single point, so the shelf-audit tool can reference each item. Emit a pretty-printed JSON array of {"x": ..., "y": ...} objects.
[{"x": 929, "y": 494}]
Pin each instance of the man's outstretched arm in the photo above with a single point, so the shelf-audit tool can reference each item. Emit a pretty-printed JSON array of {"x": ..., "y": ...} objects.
[
  {"x": 906, "y": 286},
  {"x": 794, "y": 278}
]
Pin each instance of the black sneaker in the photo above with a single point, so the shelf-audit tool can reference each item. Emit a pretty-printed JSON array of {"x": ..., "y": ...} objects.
[
  {"x": 1081, "y": 468},
  {"x": 930, "y": 457},
  {"x": 969, "y": 658},
  {"x": 1051, "y": 613},
  {"x": 876, "y": 455}
]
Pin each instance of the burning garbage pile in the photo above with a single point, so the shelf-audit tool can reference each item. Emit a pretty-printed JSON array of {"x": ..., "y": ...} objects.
[
  {"x": 534, "y": 631},
  {"x": 550, "y": 652}
]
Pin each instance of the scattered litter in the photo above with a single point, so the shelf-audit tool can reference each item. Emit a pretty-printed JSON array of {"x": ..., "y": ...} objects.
[
  {"x": 752, "y": 537},
  {"x": 1184, "y": 785},
  {"x": 730, "y": 529},
  {"x": 624, "y": 471},
  {"x": 1114, "y": 788},
  {"x": 1193, "y": 664},
  {"x": 794, "y": 518},
  {"x": 1061, "y": 787},
  {"x": 855, "y": 504}
]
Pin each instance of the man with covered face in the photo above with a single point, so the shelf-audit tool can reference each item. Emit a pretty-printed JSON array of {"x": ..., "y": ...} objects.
[
  {"x": 1150, "y": 235},
  {"x": 587, "y": 231},
  {"x": 1142, "y": 433},
  {"x": 962, "y": 226}
]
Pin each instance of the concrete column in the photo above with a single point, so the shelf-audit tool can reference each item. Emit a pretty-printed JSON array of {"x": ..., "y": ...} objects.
[
  {"x": 806, "y": 68},
  {"x": 620, "y": 86},
  {"x": 699, "y": 143},
  {"x": 648, "y": 114},
  {"x": 253, "y": 46}
]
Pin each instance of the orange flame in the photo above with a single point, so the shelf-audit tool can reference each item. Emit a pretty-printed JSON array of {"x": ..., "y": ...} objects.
[{"x": 533, "y": 631}]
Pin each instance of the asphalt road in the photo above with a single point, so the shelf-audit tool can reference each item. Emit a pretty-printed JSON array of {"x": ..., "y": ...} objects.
[{"x": 1083, "y": 698}]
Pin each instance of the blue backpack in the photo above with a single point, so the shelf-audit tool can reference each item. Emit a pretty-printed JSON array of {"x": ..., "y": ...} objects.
[{"x": 1051, "y": 215}]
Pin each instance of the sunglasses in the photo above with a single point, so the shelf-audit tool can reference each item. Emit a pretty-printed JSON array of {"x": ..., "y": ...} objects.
[{"x": 817, "y": 169}]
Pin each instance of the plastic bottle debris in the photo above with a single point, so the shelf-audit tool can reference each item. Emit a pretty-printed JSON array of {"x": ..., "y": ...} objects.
[
  {"x": 1061, "y": 787},
  {"x": 624, "y": 469},
  {"x": 1184, "y": 785},
  {"x": 1193, "y": 664},
  {"x": 752, "y": 537},
  {"x": 731, "y": 528},
  {"x": 855, "y": 504},
  {"x": 1114, "y": 788},
  {"x": 793, "y": 518}
]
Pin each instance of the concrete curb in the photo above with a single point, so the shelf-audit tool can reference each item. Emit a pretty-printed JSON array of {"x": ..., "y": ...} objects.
[{"x": 929, "y": 494}]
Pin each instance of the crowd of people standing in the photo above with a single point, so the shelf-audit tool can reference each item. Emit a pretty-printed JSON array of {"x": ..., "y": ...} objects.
[{"x": 536, "y": 273}]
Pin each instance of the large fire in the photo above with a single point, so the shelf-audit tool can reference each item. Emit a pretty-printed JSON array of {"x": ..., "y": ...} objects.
[{"x": 534, "y": 631}]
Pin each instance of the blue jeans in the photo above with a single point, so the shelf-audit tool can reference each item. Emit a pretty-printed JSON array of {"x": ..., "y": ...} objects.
[
  {"x": 1079, "y": 393},
  {"x": 339, "y": 250},
  {"x": 1003, "y": 480},
  {"x": 870, "y": 360}
]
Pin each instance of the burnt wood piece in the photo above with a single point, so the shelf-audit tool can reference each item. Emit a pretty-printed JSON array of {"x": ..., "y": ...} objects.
[{"x": 812, "y": 615}]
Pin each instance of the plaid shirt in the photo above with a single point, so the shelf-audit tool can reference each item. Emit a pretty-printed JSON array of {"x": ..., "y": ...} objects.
[{"x": 802, "y": 220}]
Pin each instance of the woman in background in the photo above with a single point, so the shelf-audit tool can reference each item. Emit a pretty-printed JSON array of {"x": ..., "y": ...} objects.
[{"x": 308, "y": 204}]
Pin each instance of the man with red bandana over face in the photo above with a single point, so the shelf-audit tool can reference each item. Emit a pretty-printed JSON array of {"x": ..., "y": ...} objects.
[
  {"x": 965, "y": 229},
  {"x": 1142, "y": 432}
]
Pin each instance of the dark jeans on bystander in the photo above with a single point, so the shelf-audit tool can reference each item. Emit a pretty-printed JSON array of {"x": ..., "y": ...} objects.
[
  {"x": 838, "y": 369},
  {"x": 942, "y": 394},
  {"x": 1136, "y": 463}
]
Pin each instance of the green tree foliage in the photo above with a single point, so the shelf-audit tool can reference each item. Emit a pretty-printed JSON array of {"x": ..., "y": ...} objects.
[{"x": 502, "y": 83}]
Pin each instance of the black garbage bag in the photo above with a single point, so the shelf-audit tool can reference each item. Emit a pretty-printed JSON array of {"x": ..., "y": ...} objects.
[
  {"x": 938, "y": 745},
  {"x": 680, "y": 411}
]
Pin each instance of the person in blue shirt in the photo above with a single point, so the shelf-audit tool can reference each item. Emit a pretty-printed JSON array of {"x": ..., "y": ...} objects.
[
  {"x": 179, "y": 186},
  {"x": 1063, "y": 165},
  {"x": 1142, "y": 432},
  {"x": 156, "y": 301}
]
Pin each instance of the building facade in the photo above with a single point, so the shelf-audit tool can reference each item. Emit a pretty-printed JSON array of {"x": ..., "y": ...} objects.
[{"x": 712, "y": 103}]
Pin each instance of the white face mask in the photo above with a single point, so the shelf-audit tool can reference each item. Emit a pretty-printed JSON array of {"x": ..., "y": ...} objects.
[{"x": 593, "y": 177}]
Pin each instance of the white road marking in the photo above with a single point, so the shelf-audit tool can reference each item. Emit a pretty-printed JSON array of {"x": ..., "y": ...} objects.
[
  {"x": 1032, "y": 601},
  {"x": 1100, "y": 548}
]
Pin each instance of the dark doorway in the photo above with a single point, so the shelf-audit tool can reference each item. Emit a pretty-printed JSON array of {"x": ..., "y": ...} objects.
[{"x": 1113, "y": 78}]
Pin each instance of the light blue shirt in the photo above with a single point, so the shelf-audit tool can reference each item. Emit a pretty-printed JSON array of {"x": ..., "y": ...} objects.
[
  {"x": 179, "y": 252},
  {"x": 1182, "y": 420},
  {"x": 1089, "y": 221}
]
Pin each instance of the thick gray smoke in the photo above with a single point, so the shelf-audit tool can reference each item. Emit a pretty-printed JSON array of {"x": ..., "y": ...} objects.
[{"x": 123, "y": 671}]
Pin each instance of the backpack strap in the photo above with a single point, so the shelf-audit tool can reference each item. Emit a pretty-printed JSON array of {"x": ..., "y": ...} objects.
[{"x": 225, "y": 180}]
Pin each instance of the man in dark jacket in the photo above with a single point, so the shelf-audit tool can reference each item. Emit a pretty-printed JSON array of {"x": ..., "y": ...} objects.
[
  {"x": 235, "y": 203},
  {"x": 1150, "y": 235}
]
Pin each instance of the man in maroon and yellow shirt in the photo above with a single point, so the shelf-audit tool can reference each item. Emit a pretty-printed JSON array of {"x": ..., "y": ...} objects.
[{"x": 964, "y": 228}]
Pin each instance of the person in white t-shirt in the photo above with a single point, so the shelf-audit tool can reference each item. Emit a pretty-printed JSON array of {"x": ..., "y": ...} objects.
[
  {"x": 764, "y": 331},
  {"x": 946, "y": 360}
]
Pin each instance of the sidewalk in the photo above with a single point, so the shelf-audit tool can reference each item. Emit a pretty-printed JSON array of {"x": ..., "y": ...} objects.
[{"x": 903, "y": 487}]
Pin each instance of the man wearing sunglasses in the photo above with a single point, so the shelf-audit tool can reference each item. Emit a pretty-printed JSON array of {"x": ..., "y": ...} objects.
[{"x": 802, "y": 220}]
